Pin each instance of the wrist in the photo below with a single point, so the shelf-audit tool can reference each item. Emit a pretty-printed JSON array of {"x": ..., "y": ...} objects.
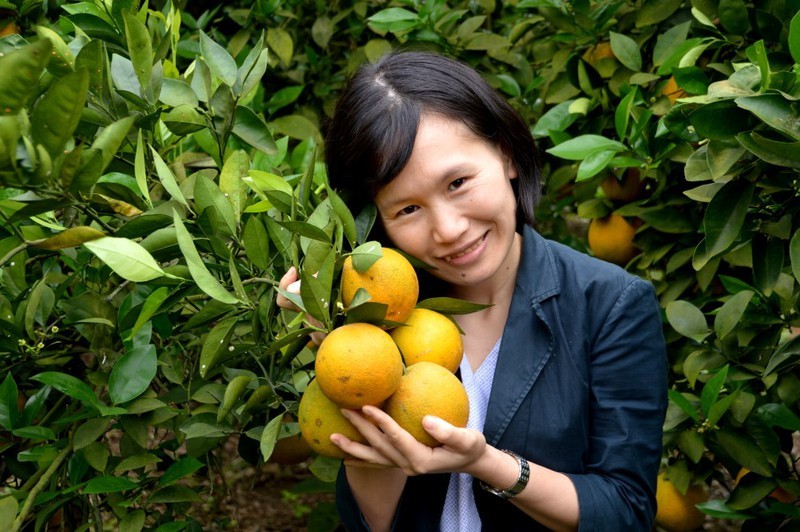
[{"x": 508, "y": 490}]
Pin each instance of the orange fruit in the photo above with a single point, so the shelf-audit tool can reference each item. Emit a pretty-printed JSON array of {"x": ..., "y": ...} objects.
[
  {"x": 319, "y": 417},
  {"x": 672, "y": 91},
  {"x": 677, "y": 511},
  {"x": 391, "y": 280},
  {"x": 629, "y": 188},
  {"x": 611, "y": 239},
  {"x": 8, "y": 27},
  {"x": 428, "y": 389},
  {"x": 602, "y": 59},
  {"x": 290, "y": 449},
  {"x": 428, "y": 336},
  {"x": 358, "y": 364}
]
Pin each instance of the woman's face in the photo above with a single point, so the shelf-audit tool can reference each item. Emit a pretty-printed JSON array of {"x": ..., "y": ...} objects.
[{"x": 453, "y": 206}]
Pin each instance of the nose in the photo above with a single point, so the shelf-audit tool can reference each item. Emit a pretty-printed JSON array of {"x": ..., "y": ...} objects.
[{"x": 449, "y": 224}]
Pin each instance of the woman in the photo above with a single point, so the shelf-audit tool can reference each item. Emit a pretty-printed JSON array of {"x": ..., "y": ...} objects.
[{"x": 566, "y": 370}]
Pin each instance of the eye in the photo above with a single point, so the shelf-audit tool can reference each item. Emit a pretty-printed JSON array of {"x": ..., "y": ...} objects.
[
  {"x": 407, "y": 210},
  {"x": 456, "y": 184}
]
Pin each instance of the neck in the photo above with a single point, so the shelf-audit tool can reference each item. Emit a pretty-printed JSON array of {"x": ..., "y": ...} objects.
[{"x": 499, "y": 289}]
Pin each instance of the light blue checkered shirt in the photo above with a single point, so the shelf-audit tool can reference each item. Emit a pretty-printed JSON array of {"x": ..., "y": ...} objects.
[{"x": 460, "y": 513}]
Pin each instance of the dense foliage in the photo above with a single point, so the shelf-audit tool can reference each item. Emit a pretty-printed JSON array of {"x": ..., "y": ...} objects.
[{"x": 160, "y": 171}]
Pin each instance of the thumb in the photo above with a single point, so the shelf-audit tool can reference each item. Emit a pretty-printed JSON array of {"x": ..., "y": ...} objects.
[{"x": 438, "y": 428}]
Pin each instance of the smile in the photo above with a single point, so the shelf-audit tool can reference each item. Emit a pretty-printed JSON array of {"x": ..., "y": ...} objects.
[{"x": 465, "y": 251}]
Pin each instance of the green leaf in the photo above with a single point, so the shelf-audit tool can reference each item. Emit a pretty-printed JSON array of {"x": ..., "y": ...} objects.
[
  {"x": 180, "y": 469},
  {"x": 96, "y": 455},
  {"x": 779, "y": 415},
  {"x": 794, "y": 254},
  {"x": 174, "y": 494},
  {"x": 127, "y": 258},
  {"x": 449, "y": 305},
  {"x": 767, "y": 261},
  {"x": 133, "y": 522},
  {"x": 750, "y": 490},
  {"x": 8, "y": 511},
  {"x": 692, "y": 443},
  {"x": 109, "y": 484},
  {"x": 794, "y": 37},
  {"x": 167, "y": 179},
  {"x": 654, "y": 11},
  {"x": 75, "y": 388},
  {"x": 745, "y": 451},
  {"x": 136, "y": 461},
  {"x": 622, "y": 114},
  {"x": 307, "y": 230},
  {"x": 593, "y": 164},
  {"x": 687, "y": 320},
  {"x": 344, "y": 215},
  {"x": 718, "y": 509},
  {"x": 256, "y": 243},
  {"x": 216, "y": 344},
  {"x": 252, "y": 70},
  {"x": 772, "y": 151},
  {"x": 133, "y": 373},
  {"x": 140, "y": 48},
  {"x": 269, "y": 436},
  {"x": 722, "y": 155},
  {"x": 252, "y": 129},
  {"x": 207, "y": 195},
  {"x": 9, "y": 414},
  {"x": 718, "y": 409},
  {"x": 205, "y": 281},
  {"x": 712, "y": 389},
  {"x": 58, "y": 112},
  {"x": 556, "y": 119},
  {"x": 733, "y": 16},
  {"x": 150, "y": 306},
  {"x": 775, "y": 110},
  {"x": 219, "y": 61},
  {"x": 626, "y": 50},
  {"x": 72, "y": 237},
  {"x": 725, "y": 216},
  {"x": 89, "y": 432},
  {"x": 280, "y": 42},
  {"x": 393, "y": 19},
  {"x": 731, "y": 312},
  {"x": 580, "y": 148},
  {"x": 365, "y": 255}
]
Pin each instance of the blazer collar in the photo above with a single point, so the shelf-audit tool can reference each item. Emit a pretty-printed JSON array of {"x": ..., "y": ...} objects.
[
  {"x": 528, "y": 341},
  {"x": 537, "y": 277}
]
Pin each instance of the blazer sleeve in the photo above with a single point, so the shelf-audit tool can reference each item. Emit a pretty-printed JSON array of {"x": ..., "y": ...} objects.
[{"x": 628, "y": 400}]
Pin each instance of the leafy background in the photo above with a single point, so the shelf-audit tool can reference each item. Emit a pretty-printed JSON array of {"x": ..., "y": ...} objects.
[{"x": 161, "y": 169}]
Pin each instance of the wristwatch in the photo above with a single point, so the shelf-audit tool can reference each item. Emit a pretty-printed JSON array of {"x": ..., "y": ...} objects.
[{"x": 522, "y": 480}]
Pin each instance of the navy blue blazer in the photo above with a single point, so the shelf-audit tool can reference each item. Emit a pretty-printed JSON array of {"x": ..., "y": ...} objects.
[{"x": 580, "y": 387}]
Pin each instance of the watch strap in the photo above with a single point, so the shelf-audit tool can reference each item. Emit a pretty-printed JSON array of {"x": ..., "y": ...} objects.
[{"x": 519, "y": 485}]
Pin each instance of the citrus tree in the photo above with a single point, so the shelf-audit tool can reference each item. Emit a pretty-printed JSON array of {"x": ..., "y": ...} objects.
[{"x": 160, "y": 172}]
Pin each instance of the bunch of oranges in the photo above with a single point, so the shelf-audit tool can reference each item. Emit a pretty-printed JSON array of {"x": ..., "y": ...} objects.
[{"x": 407, "y": 371}]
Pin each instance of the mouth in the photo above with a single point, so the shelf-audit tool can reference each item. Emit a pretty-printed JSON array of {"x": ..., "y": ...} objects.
[{"x": 465, "y": 251}]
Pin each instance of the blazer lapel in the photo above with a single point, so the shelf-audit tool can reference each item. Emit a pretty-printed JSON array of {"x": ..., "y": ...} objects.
[{"x": 528, "y": 341}]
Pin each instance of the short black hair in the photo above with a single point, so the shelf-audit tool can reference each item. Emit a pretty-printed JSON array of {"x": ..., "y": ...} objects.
[{"x": 371, "y": 134}]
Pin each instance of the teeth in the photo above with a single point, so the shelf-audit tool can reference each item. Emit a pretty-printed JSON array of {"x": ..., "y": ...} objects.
[{"x": 471, "y": 248}]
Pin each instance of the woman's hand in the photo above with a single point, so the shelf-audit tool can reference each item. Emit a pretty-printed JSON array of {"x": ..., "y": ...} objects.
[
  {"x": 390, "y": 445},
  {"x": 291, "y": 283}
]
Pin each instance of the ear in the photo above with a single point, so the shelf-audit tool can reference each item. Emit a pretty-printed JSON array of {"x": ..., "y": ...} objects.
[{"x": 511, "y": 168}]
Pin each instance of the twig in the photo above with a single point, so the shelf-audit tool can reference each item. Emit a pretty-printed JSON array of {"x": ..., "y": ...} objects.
[
  {"x": 7, "y": 256},
  {"x": 29, "y": 500}
]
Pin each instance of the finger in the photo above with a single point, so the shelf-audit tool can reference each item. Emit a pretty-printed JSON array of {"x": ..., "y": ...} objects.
[
  {"x": 367, "y": 424},
  {"x": 289, "y": 278},
  {"x": 465, "y": 442},
  {"x": 359, "y": 454}
]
